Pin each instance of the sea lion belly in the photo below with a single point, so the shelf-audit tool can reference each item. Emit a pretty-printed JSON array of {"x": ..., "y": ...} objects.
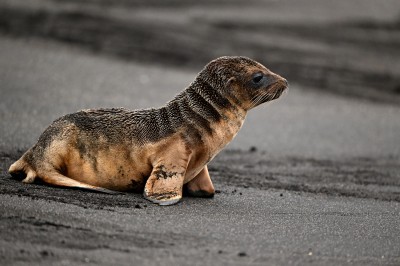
[{"x": 116, "y": 168}]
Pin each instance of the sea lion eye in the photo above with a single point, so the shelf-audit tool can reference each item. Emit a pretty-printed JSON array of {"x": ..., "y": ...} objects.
[{"x": 258, "y": 77}]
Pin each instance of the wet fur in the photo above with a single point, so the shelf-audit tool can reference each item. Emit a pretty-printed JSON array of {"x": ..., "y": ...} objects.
[{"x": 123, "y": 150}]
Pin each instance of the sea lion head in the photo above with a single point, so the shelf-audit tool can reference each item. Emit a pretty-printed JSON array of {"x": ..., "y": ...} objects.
[{"x": 243, "y": 81}]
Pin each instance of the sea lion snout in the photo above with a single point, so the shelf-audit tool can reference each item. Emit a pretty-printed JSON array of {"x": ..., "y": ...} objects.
[
  {"x": 277, "y": 79},
  {"x": 277, "y": 88},
  {"x": 280, "y": 84},
  {"x": 265, "y": 86},
  {"x": 285, "y": 83}
]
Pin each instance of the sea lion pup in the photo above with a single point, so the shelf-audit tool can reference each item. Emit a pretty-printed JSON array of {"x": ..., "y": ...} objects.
[{"x": 155, "y": 150}]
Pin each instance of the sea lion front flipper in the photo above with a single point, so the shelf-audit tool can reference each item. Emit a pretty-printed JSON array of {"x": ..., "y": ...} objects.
[
  {"x": 165, "y": 183},
  {"x": 201, "y": 185}
]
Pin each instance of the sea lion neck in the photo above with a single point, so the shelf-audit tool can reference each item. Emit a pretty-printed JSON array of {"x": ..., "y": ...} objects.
[{"x": 208, "y": 99}]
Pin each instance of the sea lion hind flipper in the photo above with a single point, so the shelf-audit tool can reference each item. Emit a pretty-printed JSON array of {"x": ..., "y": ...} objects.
[
  {"x": 21, "y": 170},
  {"x": 17, "y": 168},
  {"x": 59, "y": 180}
]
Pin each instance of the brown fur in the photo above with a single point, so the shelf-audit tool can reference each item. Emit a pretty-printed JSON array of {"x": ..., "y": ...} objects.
[{"x": 155, "y": 150}]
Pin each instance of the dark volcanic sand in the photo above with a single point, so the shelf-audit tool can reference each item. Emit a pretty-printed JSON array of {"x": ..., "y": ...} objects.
[
  {"x": 302, "y": 202},
  {"x": 358, "y": 177}
]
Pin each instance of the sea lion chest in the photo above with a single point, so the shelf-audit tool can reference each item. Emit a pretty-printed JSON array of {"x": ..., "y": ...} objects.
[{"x": 201, "y": 153}]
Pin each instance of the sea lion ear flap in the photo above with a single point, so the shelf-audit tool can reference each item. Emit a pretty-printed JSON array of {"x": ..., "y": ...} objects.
[{"x": 230, "y": 82}]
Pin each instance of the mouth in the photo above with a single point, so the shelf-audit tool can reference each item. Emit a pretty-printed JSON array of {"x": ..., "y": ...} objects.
[
  {"x": 272, "y": 92},
  {"x": 277, "y": 89}
]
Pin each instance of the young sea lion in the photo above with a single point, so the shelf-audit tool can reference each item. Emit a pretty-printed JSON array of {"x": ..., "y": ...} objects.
[{"x": 155, "y": 150}]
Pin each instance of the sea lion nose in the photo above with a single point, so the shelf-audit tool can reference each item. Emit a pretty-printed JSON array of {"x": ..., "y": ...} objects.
[{"x": 279, "y": 79}]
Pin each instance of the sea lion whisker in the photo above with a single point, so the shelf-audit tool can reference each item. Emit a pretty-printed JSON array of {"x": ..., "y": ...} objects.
[
  {"x": 259, "y": 97},
  {"x": 256, "y": 101},
  {"x": 263, "y": 97}
]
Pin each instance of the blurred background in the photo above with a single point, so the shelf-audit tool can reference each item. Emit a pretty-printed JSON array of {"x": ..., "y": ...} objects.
[
  {"x": 342, "y": 59},
  {"x": 348, "y": 47}
]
